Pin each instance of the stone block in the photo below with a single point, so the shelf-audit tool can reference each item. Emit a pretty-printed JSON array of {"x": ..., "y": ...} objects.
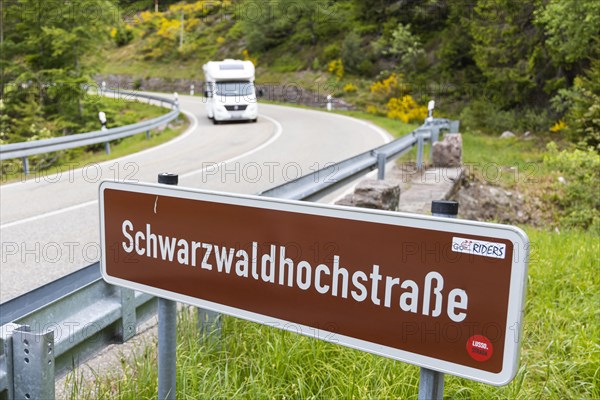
[
  {"x": 448, "y": 152},
  {"x": 373, "y": 193}
]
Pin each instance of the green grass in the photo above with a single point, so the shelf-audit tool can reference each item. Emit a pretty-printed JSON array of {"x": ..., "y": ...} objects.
[
  {"x": 395, "y": 127},
  {"x": 492, "y": 158},
  {"x": 78, "y": 158},
  {"x": 560, "y": 351},
  {"x": 511, "y": 163}
]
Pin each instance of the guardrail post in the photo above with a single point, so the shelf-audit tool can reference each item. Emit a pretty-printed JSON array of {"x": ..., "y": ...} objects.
[
  {"x": 420, "y": 148},
  {"x": 381, "y": 159},
  {"x": 25, "y": 165},
  {"x": 435, "y": 136},
  {"x": 431, "y": 383},
  {"x": 6, "y": 359},
  {"x": 128, "y": 316},
  {"x": 33, "y": 365},
  {"x": 167, "y": 331},
  {"x": 5, "y": 382},
  {"x": 148, "y": 134},
  {"x": 454, "y": 126}
]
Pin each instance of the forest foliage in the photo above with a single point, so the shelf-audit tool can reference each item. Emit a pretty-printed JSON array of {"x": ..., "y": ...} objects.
[
  {"x": 495, "y": 64},
  {"x": 46, "y": 69}
]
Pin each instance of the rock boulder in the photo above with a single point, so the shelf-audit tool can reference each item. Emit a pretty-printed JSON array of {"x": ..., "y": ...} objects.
[
  {"x": 448, "y": 152},
  {"x": 373, "y": 193}
]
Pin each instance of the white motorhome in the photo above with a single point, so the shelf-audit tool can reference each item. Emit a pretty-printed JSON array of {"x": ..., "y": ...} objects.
[{"x": 229, "y": 90}]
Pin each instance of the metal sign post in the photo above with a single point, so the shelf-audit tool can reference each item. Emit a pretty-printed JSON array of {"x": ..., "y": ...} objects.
[
  {"x": 431, "y": 383},
  {"x": 167, "y": 331}
]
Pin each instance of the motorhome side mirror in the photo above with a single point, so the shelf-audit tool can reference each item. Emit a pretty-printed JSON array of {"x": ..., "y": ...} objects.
[
  {"x": 260, "y": 93},
  {"x": 206, "y": 93}
]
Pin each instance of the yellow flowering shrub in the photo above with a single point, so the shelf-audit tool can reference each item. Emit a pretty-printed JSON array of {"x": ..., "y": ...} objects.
[
  {"x": 349, "y": 88},
  {"x": 388, "y": 87},
  {"x": 169, "y": 28},
  {"x": 406, "y": 109},
  {"x": 160, "y": 32},
  {"x": 246, "y": 57},
  {"x": 558, "y": 126},
  {"x": 200, "y": 7},
  {"x": 146, "y": 16},
  {"x": 336, "y": 67}
]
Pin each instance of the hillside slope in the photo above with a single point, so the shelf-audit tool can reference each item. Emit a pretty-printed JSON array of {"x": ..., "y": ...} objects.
[{"x": 503, "y": 64}]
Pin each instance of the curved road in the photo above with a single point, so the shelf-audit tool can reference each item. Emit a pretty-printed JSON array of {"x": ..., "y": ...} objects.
[{"x": 49, "y": 223}]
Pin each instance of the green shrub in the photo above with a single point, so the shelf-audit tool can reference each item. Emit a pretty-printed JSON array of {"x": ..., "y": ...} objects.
[
  {"x": 316, "y": 65},
  {"x": 486, "y": 116},
  {"x": 122, "y": 35},
  {"x": 583, "y": 102},
  {"x": 331, "y": 52},
  {"x": 576, "y": 193},
  {"x": 352, "y": 55},
  {"x": 533, "y": 120}
]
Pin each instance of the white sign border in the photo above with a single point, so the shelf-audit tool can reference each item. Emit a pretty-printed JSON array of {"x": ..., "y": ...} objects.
[{"x": 517, "y": 290}]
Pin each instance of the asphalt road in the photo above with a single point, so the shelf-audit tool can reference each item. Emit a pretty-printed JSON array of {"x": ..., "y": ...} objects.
[{"x": 49, "y": 222}]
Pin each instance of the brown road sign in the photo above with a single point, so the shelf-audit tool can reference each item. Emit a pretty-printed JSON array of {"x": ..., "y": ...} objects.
[{"x": 439, "y": 293}]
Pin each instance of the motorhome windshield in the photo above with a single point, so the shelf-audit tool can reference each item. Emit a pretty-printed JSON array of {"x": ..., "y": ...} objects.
[{"x": 241, "y": 88}]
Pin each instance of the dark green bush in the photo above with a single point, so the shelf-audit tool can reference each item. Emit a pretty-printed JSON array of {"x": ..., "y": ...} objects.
[
  {"x": 123, "y": 35},
  {"x": 485, "y": 116}
]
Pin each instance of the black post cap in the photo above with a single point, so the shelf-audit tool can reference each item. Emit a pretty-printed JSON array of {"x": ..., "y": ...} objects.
[
  {"x": 444, "y": 207},
  {"x": 168, "y": 179}
]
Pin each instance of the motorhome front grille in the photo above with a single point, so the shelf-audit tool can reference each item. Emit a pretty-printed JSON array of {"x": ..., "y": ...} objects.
[{"x": 236, "y": 107}]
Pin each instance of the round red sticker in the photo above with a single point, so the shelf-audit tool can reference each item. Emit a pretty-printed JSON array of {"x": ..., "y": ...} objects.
[{"x": 480, "y": 348}]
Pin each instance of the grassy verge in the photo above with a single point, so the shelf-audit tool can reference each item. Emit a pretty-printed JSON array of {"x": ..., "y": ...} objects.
[
  {"x": 80, "y": 157},
  {"x": 560, "y": 353},
  {"x": 514, "y": 163},
  {"x": 395, "y": 127}
]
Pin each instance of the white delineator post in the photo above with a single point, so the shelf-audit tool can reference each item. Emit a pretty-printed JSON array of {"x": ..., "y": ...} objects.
[
  {"x": 102, "y": 118},
  {"x": 430, "y": 107}
]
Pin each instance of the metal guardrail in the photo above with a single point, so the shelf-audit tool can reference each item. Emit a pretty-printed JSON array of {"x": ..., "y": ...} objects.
[
  {"x": 26, "y": 149},
  {"x": 48, "y": 331},
  {"x": 318, "y": 184}
]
